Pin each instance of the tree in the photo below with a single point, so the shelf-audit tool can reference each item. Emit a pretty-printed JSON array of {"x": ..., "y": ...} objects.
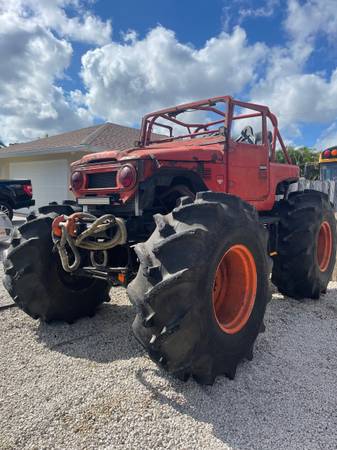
[
  {"x": 2, "y": 145},
  {"x": 304, "y": 157}
]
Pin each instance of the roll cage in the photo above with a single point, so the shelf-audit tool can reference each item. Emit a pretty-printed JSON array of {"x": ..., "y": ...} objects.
[{"x": 221, "y": 109}]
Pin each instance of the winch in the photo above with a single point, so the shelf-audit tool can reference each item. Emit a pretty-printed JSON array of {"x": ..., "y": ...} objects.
[{"x": 82, "y": 230}]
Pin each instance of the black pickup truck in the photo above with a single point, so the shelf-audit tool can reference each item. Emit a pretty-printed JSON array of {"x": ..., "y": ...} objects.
[{"x": 15, "y": 194}]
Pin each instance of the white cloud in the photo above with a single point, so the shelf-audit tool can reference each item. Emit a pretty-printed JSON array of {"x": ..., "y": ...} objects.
[
  {"x": 123, "y": 81},
  {"x": 248, "y": 9},
  {"x": 306, "y": 19},
  {"x": 299, "y": 98},
  {"x": 328, "y": 138},
  {"x": 296, "y": 96},
  {"x": 32, "y": 58},
  {"x": 236, "y": 12},
  {"x": 51, "y": 14}
]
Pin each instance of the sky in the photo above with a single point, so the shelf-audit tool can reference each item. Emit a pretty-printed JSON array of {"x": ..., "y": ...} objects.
[{"x": 68, "y": 64}]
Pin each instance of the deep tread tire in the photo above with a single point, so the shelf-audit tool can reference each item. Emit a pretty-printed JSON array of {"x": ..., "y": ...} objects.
[
  {"x": 173, "y": 289},
  {"x": 296, "y": 271},
  {"x": 37, "y": 283}
]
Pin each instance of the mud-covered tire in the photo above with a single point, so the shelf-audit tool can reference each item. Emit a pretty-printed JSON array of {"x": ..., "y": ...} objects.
[
  {"x": 37, "y": 283},
  {"x": 173, "y": 290},
  {"x": 296, "y": 270}
]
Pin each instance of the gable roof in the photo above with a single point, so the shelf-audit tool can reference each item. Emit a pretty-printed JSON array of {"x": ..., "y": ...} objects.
[{"x": 91, "y": 139}]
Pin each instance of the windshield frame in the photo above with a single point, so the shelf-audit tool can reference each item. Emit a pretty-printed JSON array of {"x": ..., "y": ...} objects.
[{"x": 170, "y": 115}]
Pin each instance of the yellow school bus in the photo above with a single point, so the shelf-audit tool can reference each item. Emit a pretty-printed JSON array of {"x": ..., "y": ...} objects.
[{"x": 328, "y": 164}]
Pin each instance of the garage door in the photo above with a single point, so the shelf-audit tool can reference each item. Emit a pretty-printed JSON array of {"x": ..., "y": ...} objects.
[{"x": 50, "y": 179}]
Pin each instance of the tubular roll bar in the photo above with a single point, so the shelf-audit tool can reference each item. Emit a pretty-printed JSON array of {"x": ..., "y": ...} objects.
[{"x": 149, "y": 120}]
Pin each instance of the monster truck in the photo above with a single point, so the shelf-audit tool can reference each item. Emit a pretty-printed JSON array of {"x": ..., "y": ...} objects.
[{"x": 193, "y": 222}]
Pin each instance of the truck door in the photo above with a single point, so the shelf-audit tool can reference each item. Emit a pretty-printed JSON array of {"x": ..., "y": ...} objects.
[{"x": 248, "y": 163}]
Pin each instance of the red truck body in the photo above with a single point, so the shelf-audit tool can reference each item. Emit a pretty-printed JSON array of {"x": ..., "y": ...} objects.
[{"x": 221, "y": 162}]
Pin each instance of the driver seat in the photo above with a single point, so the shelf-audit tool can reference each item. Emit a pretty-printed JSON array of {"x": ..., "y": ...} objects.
[{"x": 258, "y": 138}]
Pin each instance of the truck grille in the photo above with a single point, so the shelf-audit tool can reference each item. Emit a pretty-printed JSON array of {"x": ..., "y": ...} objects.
[{"x": 101, "y": 180}]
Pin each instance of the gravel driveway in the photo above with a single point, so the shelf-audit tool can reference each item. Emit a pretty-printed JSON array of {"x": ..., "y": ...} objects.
[{"x": 90, "y": 385}]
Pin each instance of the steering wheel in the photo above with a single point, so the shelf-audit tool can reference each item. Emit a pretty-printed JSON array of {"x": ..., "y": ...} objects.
[{"x": 247, "y": 135}]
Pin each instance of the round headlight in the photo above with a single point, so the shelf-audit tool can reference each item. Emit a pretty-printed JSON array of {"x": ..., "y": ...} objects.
[
  {"x": 127, "y": 176},
  {"x": 76, "y": 180}
]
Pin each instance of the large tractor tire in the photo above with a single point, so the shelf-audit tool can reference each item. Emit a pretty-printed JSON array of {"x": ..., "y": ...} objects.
[
  {"x": 202, "y": 287},
  {"x": 307, "y": 245},
  {"x": 36, "y": 281}
]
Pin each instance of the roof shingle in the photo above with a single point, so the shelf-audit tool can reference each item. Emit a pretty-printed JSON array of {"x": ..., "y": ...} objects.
[{"x": 98, "y": 137}]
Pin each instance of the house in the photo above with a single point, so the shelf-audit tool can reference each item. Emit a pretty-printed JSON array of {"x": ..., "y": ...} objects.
[{"x": 46, "y": 161}]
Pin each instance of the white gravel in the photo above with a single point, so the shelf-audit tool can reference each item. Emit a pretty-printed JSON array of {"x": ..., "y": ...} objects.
[{"x": 90, "y": 385}]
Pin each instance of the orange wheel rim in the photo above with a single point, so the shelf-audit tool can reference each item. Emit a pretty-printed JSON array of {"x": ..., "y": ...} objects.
[
  {"x": 234, "y": 289},
  {"x": 324, "y": 246}
]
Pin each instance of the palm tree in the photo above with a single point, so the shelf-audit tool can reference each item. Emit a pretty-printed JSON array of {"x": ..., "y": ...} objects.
[{"x": 304, "y": 157}]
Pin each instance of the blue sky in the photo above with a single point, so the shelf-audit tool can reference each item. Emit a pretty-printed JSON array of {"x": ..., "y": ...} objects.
[
  {"x": 67, "y": 64},
  {"x": 192, "y": 22}
]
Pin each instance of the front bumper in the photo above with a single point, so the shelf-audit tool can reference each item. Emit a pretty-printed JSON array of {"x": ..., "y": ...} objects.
[{"x": 24, "y": 204}]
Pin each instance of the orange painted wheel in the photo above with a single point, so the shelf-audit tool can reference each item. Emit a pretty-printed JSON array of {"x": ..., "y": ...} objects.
[
  {"x": 234, "y": 289},
  {"x": 324, "y": 246}
]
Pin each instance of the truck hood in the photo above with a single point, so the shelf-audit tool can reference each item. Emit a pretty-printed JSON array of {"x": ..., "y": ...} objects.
[{"x": 210, "y": 149}]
